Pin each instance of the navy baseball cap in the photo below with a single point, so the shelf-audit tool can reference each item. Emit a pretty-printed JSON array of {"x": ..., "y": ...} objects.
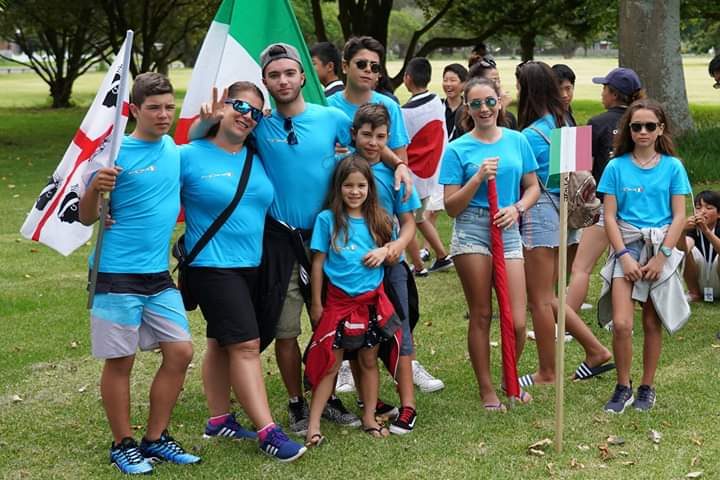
[{"x": 624, "y": 80}]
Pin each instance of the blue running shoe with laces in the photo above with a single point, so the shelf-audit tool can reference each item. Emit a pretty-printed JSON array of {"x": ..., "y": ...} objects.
[
  {"x": 165, "y": 449},
  {"x": 230, "y": 428},
  {"x": 128, "y": 459},
  {"x": 278, "y": 445}
]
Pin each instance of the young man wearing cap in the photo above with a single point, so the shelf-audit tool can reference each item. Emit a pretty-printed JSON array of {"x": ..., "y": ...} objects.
[
  {"x": 327, "y": 63},
  {"x": 297, "y": 145},
  {"x": 136, "y": 303}
]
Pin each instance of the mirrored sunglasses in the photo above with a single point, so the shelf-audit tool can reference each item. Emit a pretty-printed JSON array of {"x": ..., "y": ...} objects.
[
  {"x": 241, "y": 106},
  {"x": 489, "y": 102}
]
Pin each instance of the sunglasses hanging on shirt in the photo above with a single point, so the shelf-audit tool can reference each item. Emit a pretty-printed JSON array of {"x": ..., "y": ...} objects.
[{"x": 290, "y": 129}]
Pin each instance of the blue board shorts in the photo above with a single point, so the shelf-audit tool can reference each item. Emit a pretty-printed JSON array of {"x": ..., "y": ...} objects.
[{"x": 123, "y": 322}]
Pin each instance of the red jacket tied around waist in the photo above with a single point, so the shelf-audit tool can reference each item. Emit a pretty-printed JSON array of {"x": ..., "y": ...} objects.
[{"x": 354, "y": 313}]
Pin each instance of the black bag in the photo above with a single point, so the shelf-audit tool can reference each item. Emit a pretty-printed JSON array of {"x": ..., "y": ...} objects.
[{"x": 179, "y": 251}]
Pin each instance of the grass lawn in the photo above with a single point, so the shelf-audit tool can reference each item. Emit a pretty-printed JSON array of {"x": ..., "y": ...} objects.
[{"x": 52, "y": 423}]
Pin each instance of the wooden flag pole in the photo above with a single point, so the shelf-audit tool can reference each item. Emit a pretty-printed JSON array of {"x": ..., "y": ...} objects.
[{"x": 560, "y": 334}]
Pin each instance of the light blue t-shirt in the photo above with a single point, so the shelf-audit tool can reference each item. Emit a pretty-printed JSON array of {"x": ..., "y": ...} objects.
[
  {"x": 301, "y": 173},
  {"x": 398, "y": 133},
  {"x": 389, "y": 198},
  {"x": 345, "y": 268},
  {"x": 540, "y": 147},
  {"x": 643, "y": 195},
  {"x": 464, "y": 156},
  {"x": 145, "y": 206},
  {"x": 210, "y": 177}
]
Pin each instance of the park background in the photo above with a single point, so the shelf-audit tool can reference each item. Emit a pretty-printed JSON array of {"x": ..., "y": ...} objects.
[{"x": 51, "y": 420}]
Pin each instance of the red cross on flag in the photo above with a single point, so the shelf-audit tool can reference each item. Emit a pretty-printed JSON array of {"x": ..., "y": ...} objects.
[{"x": 54, "y": 219}]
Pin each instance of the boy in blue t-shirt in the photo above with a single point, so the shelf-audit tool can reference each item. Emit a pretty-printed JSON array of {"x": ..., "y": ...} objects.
[{"x": 136, "y": 303}]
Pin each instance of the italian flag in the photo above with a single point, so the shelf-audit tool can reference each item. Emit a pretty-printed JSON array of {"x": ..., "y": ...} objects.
[
  {"x": 231, "y": 52},
  {"x": 570, "y": 150}
]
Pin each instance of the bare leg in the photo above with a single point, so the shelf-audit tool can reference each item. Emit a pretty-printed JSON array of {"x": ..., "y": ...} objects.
[
  {"x": 320, "y": 396},
  {"x": 595, "y": 352},
  {"x": 216, "y": 378},
  {"x": 691, "y": 273},
  {"x": 287, "y": 354},
  {"x": 652, "y": 342},
  {"x": 433, "y": 238},
  {"x": 539, "y": 275},
  {"x": 413, "y": 250},
  {"x": 367, "y": 360},
  {"x": 406, "y": 388},
  {"x": 167, "y": 385},
  {"x": 115, "y": 392},
  {"x": 623, "y": 317},
  {"x": 475, "y": 272},
  {"x": 592, "y": 245},
  {"x": 247, "y": 381},
  {"x": 518, "y": 301}
]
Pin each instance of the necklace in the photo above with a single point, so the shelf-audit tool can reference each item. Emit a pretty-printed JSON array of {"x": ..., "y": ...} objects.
[{"x": 647, "y": 163}]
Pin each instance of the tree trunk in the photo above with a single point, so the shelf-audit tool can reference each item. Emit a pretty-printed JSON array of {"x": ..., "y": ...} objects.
[
  {"x": 649, "y": 35},
  {"x": 365, "y": 17},
  {"x": 61, "y": 91},
  {"x": 527, "y": 45},
  {"x": 318, "y": 21}
]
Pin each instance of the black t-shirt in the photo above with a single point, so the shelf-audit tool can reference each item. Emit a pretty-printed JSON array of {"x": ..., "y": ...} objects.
[
  {"x": 703, "y": 244},
  {"x": 604, "y": 128},
  {"x": 450, "y": 116}
]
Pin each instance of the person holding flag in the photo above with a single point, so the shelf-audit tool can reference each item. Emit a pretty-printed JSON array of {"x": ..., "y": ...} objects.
[
  {"x": 488, "y": 151},
  {"x": 136, "y": 303}
]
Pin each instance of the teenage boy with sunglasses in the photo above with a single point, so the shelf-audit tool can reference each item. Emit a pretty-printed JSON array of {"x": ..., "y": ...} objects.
[
  {"x": 136, "y": 303},
  {"x": 297, "y": 146}
]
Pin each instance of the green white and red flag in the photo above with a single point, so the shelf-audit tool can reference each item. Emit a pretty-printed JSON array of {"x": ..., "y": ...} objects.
[
  {"x": 231, "y": 52},
  {"x": 570, "y": 149}
]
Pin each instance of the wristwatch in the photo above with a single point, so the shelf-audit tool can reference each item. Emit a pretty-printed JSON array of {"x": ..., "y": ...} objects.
[
  {"x": 519, "y": 207},
  {"x": 667, "y": 251}
]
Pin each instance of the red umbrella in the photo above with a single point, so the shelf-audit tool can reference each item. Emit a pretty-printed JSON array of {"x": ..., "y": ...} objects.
[{"x": 507, "y": 329}]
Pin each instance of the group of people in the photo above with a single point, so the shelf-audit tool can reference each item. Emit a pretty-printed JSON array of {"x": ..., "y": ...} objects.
[{"x": 314, "y": 207}]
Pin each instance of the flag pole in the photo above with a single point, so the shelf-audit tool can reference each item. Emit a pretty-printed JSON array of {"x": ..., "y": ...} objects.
[
  {"x": 560, "y": 334},
  {"x": 114, "y": 147}
]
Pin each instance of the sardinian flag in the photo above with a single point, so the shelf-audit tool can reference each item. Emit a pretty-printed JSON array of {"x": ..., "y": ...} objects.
[
  {"x": 424, "y": 116},
  {"x": 231, "y": 52},
  {"x": 54, "y": 219}
]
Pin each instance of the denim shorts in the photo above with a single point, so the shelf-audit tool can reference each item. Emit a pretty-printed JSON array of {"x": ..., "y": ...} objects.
[
  {"x": 634, "y": 249},
  {"x": 471, "y": 234},
  {"x": 540, "y": 224}
]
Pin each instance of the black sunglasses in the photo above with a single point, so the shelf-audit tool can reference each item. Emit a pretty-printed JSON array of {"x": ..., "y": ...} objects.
[
  {"x": 291, "y": 137},
  {"x": 241, "y": 106},
  {"x": 490, "y": 102},
  {"x": 649, "y": 126},
  {"x": 362, "y": 65}
]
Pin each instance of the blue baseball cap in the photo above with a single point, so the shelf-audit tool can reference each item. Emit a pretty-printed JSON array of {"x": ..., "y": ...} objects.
[{"x": 624, "y": 80}]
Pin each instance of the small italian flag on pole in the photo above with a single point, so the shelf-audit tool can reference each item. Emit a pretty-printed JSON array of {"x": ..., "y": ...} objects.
[
  {"x": 570, "y": 151},
  {"x": 231, "y": 52}
]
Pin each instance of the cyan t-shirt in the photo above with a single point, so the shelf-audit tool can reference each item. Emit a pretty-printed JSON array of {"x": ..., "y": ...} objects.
[
  {"x": 464, "y": 156},
  {"x": 398, "y": 133},
  {"x": 643, "y": 195},
  {"x": 145, "y": 205},
  {"x": 389, "y": 198},
  {"x": 301, "y": 173},
  {"x": 540, "y": 147},
  {"x": 345, "y": 268},
  {"x": 210, "y": 177}
]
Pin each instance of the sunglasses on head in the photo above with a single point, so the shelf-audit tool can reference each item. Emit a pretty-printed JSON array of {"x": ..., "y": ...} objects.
[
  {"x": 649, "y": 126},
  {"x": 362, "y": 65},
  {"x": 489, "y": 102},
  {"x": 241, "y": 106},
  {"x": 291, "y": 137},
  {"x": 487, "y": 63}
]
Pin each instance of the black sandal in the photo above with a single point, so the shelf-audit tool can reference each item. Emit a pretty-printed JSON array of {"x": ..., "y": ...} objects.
[
  {"x": 377, "y": 432},
  {"x": 315, "y": 443}
]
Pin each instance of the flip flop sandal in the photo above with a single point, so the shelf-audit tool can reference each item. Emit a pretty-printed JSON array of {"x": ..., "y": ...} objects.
[
  {"x": 585, "y": 372},
  {"x": 377, "y": 432},
  {"x": 526, "y": 381},
  {"x": 316, "y": 440},
  {"x": 523, "y": 398},
  {"x": 495, "y": 407}
]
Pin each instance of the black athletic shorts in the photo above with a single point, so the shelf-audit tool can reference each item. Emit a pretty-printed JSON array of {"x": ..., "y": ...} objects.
[{"x": 225, "y": 299}]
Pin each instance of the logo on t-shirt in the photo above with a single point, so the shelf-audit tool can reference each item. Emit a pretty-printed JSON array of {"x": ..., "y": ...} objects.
[
  {"x": 210, "y": 176},
  {"x": 633, "y": 189},
  {"x": 138, "y": 171}
]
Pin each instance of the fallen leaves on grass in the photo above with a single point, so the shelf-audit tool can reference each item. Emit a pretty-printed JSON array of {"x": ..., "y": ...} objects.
[
  {"x": 494, "y": 344},
  {"x": 83, "y": 389},
  {"x": 583, "y": 448},
  {"x": 17, "y": 398},
  {"x": 615, "y": 440},
  {"x": 655, "y": 436},
  {"x": 575, "y": 465},
  {"x": 697, "y": 439},
  {"x": 538, "y": 448},
  {"x": 695, "y": 461},
  {"x": 605, "y": 453},
  {"x": 74, "y": 344},
  {"x": 694, "y": 475}
]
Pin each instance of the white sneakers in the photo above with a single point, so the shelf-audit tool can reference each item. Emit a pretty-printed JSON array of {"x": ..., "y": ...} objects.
[
  {"x": 424, "y": 381},
  {"x": 345, "y": 382}
]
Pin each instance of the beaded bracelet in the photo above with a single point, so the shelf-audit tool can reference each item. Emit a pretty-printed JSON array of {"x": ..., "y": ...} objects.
[{"x": 621, "y": 253}]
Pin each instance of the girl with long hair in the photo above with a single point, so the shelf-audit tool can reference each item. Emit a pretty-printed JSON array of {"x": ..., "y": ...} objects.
[
  {"x": 540, "y": 110},
  {"x": 485, "y": 152},
  {"x": 645, "y": 187},
  {"x": 350, "y": 242}
]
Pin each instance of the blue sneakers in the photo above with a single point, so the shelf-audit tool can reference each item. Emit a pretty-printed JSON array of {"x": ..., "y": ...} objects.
[
  {"x": 621, "y": 398},
  {"x": 165, "y": 449},
  {"x": 278, "y": 445},
  {"x": 230, "y": 428},
  {"x": 128, "y": 459}
]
